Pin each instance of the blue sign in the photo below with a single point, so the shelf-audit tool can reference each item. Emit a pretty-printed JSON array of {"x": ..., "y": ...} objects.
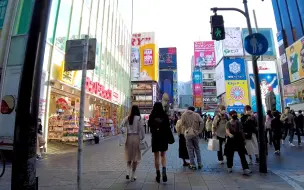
[
  {"x": 256, "y": 44},
  {"x": 267, "y": 32},
  {"x": 3, "y": 6},
  {"x": 197, "y": 77},
  {"x": 167, "y": 58},
  {"x": 234, "y": 69},
  {"x": 166, "y": 84}
]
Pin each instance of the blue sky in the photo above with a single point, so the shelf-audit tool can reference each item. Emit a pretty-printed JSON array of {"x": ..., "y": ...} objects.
[{"x": 178, "y": 23}]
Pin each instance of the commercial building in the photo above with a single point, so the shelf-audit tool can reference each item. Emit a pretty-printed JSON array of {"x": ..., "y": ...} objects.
[
  {"x": 289, "y": 16},
  {"x": 107, "y": 86}
]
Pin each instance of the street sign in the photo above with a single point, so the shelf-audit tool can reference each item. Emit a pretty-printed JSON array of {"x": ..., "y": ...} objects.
[
  {"x": 256, "y": 44},
  {"x": 74, "y": 57}
]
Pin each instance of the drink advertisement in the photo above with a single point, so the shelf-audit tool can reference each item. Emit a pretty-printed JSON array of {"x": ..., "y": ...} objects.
[
  {"x": 197, "y": 77},
  {"x": 166, "y": 84},
  {"x": 167, "y": 58},
  {"x": 204, "y": 53},
  {"x": 268, "y": 82},
  {"x": 295, "y": 58},
  {"x": 236, "y": 95},
  {"x": 144, "y": 62}
]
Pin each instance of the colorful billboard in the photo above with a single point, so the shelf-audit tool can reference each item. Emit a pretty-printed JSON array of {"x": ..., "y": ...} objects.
[
  {"x": 166, "y": 84},
  {"x": 233, "y": 44},
  {"x": 236, "y": 95},
  {"x": 198, "y": 101},
  {"x": 234, "y": 69},
  {"x": 197, "y": 77},
  {"x": 144, "y": 57},
  {"x": 267, "y": 32},
  {"x": 295, "y": 58},
  {"x": 268, "y": 82},
  {"x": 167, "y": 58},
  {"x": 204, "y": 54}
]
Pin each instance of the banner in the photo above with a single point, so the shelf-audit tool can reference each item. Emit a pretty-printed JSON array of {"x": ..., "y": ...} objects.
[
  {"x": 197, "y": 77},
  {"x": 220, "y": 78},
  {"x": 144, "y": 57},
  {"x": 268, "y": 82},
  {"x": 197, "y": 90},
  {"x": 166, "y": 84},
  {"x": 267, "y": 32},
  {"x": 167, "y": 58},
  {"x": 204, "y": 54},
  {"x": 295, "y": 58},
  {"x": 233, "y": 44},
  {"x": 198, "y": 101},
  {"x": 234, "y": 69},
  {"x": 236, "y": 95}
]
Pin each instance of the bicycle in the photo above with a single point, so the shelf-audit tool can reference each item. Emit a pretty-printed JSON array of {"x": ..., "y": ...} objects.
[{"x": 2, "y": 164}]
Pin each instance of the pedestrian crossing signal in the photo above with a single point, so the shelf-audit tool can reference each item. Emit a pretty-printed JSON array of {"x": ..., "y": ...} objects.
[{"x": 217, "y": 27}]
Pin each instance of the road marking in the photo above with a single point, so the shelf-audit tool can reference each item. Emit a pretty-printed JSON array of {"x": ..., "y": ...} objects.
[{"x": 290, "y": 181}]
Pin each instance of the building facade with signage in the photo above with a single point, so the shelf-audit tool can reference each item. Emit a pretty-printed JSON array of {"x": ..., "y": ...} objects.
[
  {"x": 289, "y": 16},
  {"x": 107, "y": 86}
]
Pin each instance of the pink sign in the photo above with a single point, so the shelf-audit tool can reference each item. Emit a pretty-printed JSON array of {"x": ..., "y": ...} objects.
[
  {"x": 204, "y": 53},
  {"x": 148, "y": 57},
  {"x": 197, "y": 89}
]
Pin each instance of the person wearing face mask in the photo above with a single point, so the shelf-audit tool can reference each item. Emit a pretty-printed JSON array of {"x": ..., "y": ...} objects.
[
  {"x": 218, "y": 130},
  {"x": 235, "y": 142},
  {"x": 249, "y": 123},
  {"x": 288, "y": 120}
]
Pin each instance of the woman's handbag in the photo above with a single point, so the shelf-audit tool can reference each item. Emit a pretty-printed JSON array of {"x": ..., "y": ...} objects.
[
  {"x": 213, "y": 144},
  {"x": 143, "y": 145}
]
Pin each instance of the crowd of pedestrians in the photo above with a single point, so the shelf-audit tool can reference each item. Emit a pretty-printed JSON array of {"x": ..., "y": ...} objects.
[{"x": 231, "y": 132}]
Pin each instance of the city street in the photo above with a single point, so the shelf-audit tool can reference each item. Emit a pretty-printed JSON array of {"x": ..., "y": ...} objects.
[{"x": 104, "y": 168}]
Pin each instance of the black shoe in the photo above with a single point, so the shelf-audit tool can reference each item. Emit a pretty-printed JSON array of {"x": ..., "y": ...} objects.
[
  {"x": 127, "y": 177},
  {"x": 164, "y": 174},
  {"x": 158, "y": 176}
]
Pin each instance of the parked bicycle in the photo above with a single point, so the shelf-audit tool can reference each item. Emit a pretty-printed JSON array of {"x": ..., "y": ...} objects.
[{"x": 2, "y": 164}]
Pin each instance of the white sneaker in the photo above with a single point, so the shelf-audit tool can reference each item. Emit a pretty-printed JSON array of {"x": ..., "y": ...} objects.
[
  {"x": 282, "y": 141},
  {"x": 247, "y": 172},
  {"x": 229, "y": 170},
  {"x": 221, "y": 162},
  {"x": 291, "y": 144}
]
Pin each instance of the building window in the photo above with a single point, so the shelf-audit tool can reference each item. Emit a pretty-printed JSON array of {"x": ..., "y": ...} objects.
[
  {"x": 52, "y": 21},
  {"x": 85, "y": 22},
  {"x": 75, "y": 20}
]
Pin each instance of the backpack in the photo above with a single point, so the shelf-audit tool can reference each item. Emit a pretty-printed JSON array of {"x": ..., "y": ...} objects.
[{"x": 220, "y": 118}]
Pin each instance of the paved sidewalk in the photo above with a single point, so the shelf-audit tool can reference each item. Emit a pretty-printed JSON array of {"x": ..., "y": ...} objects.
[{"x": 104, "y": 168}]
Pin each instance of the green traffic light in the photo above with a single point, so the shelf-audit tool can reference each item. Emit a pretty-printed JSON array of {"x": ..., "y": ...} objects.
[{"x": 218, "y": 33}]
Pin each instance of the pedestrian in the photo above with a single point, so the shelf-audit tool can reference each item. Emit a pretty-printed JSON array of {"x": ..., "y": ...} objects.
[
  {"x": 182, "y": 150},
  {"x": 299, "y": 126},
  {"x": 249, "y": 124},
  {"x": 40, "y": 139},
  {"x": 135, "y": 133},
  {"x": 194, "y": 125},
  {"x": 269, "y": 118},
  {"x": 219, "y": 130},
  {"x": 235, "y": 142},
  {"x": 276, "y": 129},
  {"x": 301, "y": 120},
  {"x": 288, "y": 120},
  {"x": 160, "y": 129},
  {"x": 208, "y": 128}
]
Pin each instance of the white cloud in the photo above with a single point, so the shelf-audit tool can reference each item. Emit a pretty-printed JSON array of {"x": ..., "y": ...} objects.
[{"x": 179, "y": 23}]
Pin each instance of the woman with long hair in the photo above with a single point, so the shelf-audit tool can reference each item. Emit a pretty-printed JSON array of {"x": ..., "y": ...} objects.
[
  {"x": 134, "y": 125},
  {"x": 160, "y": 129}
]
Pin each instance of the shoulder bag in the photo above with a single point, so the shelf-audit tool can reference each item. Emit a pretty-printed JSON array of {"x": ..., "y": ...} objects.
[{"x": 143, "y": 145}]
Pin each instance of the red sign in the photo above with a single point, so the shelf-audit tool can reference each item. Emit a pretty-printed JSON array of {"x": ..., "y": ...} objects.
[
  {"x": 148, "y": 57},
  {"x": 137, "y": 40},
  {"x": 115, "y": 97},
  {"x": 98, "y": 89},
  {"x": 262, "y": 68}
]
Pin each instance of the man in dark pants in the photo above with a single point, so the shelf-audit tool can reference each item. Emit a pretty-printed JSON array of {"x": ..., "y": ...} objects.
[{"x": 299, "y": 126}]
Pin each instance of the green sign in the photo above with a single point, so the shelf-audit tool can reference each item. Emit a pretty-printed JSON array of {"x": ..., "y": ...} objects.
[
  {"x": 218, "y": 33},
  {"x": 3, "y": 6}
]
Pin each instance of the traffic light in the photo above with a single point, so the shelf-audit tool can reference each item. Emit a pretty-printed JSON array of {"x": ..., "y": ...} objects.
[{"x": 217, "y": 27}]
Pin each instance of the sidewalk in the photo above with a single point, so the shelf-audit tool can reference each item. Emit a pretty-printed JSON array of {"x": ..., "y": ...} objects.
[{"x": 104, "y": 168}]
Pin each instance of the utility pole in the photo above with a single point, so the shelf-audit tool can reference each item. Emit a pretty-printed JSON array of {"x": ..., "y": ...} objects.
[
  {"x": 25, "y": 137},
  {"x": 262, "y": 144}
]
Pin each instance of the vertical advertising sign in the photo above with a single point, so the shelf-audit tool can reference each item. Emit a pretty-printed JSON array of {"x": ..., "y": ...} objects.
[
  {"x": 268, "y": 83},
  {"x": 295, "y": 58},
  {"x": 220, "y": 78},
  {"x": 197, "y": 88},
  {"x": 233, "y": 44},
  {"x": 175, "y": 88},
  {"x": 154, "y": 93},
  {"x": 166, "y": 84},
  {"x": 204, "y": 54},
  {"x": 167, "y": 58},
  {"x": 144, "y": 62},
  {"x": 236, "y": 84}
]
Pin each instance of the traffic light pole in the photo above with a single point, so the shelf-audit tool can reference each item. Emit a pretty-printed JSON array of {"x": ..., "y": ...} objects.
[
  {"x": 25, "y": 137},
  {"x": 262, "y": 144}
]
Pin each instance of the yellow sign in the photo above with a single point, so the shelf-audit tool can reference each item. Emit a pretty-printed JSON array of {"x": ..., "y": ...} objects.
[
  {"x": 236, "y": 95},
  {"x": 149, "y": 62},
  {"x": 67, "y": 76},
  {"x": 295, "y": 58}
]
